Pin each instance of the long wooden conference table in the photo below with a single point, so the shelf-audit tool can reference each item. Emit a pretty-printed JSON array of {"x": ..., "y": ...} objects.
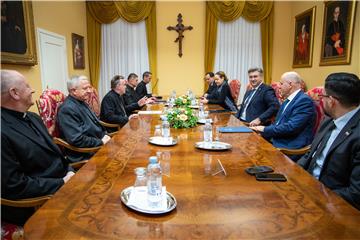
[{"x": 209, "y": 206}]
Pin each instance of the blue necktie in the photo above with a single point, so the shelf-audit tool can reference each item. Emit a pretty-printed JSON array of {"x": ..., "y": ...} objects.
[{"x": 281, "y": 110}]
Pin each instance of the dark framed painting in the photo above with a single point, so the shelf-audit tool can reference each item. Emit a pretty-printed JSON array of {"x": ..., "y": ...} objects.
[
  {"x": 17, "y": 33},
  {"x": 304, "y": 38},
  {"x": 78, "y": 51},
  {"x": 338, "y": 28}
]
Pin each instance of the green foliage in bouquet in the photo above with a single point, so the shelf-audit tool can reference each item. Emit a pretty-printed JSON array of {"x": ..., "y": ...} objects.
[
  {"x": 182, "y": 118},
  {"x": 183, "y": 100}
]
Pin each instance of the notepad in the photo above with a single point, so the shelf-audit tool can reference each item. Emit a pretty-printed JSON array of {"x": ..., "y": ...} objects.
[
  {"x": 240, "y": 129},
  {"x": 149, "y": 112}
]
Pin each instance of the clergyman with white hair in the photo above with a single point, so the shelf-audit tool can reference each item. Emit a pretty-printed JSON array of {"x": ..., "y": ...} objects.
[{"x": 78, "y": 124}]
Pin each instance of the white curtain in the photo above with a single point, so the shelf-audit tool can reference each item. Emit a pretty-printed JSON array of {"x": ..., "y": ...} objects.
[
  {"x": 238, "y": 48},
  {"x": 123, "y": 51}
]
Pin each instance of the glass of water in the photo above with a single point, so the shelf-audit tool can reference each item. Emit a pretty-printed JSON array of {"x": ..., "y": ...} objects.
[{"x": 157, "y": 132}]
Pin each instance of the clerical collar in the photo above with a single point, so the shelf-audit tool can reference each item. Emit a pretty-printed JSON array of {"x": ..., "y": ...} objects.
[{"x": 19, "y": 115}]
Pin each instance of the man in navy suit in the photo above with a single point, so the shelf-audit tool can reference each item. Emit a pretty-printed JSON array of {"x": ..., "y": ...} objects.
[
  {"x": 260, "y": 103},
  {"x": 334, "y": 157},
  {"x": 294, "y": 123},
  {"x": 31, "y": 164}
]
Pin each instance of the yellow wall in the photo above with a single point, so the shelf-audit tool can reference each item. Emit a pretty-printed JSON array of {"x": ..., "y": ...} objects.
[
  {"x": 284, "y": 23},
  {"x": 62, "y": 18},
  {"x": 185, "y": 72}
]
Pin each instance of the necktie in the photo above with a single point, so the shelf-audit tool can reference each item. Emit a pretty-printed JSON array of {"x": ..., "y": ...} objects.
[
  {"x": 321, "y": 146},
  {"x": 281, "y": 110},
  {"x": 246, "y": 103},
  {"x": 247, "y": 100}
]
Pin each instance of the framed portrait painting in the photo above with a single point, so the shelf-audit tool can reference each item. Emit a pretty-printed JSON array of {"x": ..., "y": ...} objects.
[
  {"x": 17, "y": 33},
  {"x": 78, "y": 51},
  {"x": 304, "y": 38},
  {"x": 338, "y": 28}
]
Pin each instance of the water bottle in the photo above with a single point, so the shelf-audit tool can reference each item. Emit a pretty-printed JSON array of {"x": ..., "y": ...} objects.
[
  {"x": 154, "y": 183},
  {"x": 201, "y": 110},
  {"x": 165, "y": 128},
  {"x": 207, "y": 131}
]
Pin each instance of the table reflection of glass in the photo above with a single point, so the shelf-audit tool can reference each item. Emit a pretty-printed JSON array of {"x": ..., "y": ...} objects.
[{"x": 164, "y": 158}]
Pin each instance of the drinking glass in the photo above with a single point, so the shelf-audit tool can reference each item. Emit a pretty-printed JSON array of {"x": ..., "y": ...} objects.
[
  {"x": 217, "y": 134},
  {"x": 141, "y": 180},
  {"x": 157, "y": 132}
]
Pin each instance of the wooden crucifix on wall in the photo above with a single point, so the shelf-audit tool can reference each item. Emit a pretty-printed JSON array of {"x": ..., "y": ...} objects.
[{"x": 179, "y": 28}]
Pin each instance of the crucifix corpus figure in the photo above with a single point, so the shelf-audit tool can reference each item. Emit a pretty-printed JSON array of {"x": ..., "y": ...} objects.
[{"x": 179, "y": 28}]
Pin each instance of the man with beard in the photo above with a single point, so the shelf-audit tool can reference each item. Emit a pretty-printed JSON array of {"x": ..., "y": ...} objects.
[{"x": 334, "y": 157}]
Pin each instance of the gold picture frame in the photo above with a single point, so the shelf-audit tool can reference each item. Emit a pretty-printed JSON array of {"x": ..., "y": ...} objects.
[
  {"x": 78, "y": 51},
  {"x": 338, "y": 28},
  {"x": 304, "y": 38},
  {"x": 18, "y": 35}
]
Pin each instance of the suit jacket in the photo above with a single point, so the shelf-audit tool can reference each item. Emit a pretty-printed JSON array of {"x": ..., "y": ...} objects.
[
  {"x": 295, "y": 125},
  {"x": 31, "y": 165},
  {"x": 341, "y": 168},
  {"x": 222, "y": 96},
  {"x": 263, "y": 105},
  {"x": 79, "y": 126},
  {"x": 212, "y": 88},
  {"x": 141, "y": 90},
  {"x": 113, "y": 109}
]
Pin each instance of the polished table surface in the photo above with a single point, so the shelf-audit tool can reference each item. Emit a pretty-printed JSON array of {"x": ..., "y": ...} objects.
[{"x": 222, "y": 206}]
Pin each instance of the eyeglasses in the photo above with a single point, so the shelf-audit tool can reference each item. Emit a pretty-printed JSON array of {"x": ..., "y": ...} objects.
[{"x": 327, "y": 96}]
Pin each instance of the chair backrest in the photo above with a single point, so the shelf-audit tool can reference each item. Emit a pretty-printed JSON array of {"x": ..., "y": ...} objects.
[
  {"x": 235, "y": 89},
  {"x": 48, "y": 104},
  {"x": 93, "y": 101},
  {"x": 276, "y": 87},
  {"x": 319, "y": 105}
]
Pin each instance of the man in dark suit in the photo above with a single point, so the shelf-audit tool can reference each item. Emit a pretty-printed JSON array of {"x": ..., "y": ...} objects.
[
  {"x": 131, "y": 96},
  {"x": 209, "y": 78},
  {"x": 31, "y": 164},
  {"x": 113, "y": 108},
  {"x": 294, "y": 123},
  {"x": 141, "y": 87},
  {"x": 260, "y": 103},
  {"x": 334, "y": 157},
  {"x": 77, "y": 123}
]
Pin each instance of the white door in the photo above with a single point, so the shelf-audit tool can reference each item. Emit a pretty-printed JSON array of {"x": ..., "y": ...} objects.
[{"x": 53, "y": 60}]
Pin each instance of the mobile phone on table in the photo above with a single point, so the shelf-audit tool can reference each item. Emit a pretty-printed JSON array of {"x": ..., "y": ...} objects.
[
  {"x": 258, "y": 169},
  {"x": 278, "y": 177}
]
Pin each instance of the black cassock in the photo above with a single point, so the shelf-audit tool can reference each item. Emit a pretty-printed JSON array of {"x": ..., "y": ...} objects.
[{"x": 31, "y": 164}]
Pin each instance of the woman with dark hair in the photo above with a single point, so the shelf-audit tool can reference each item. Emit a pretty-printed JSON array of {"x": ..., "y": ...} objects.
[{"x": 222, "y": 95}]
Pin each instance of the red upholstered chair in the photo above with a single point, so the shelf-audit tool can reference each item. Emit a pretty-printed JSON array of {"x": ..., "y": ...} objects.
[
  {"x": 235, "y": 89},
  {"x": 93, "y": 101},
  {"x": 48, "y": 104},
  {"x": 319, "y": 105},
  {"x": 10, "y": 231},
  {"x": 94, "y": 104},
  {"x": 276, "y": 87}
]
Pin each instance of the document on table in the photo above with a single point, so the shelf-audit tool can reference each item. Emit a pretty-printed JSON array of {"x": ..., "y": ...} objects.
[
  {"x": 149, "y": 112},
  {"x": 240, "y": 129}
]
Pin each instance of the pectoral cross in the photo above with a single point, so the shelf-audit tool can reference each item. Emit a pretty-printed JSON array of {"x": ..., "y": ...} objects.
[{"x": 179, "y": 28}]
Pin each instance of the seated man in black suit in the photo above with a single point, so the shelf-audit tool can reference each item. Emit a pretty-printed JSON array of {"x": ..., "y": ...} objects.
[
  {"x": 209, "y": 78},
  {"x": 334, "y": 157},
  {"x": 31, "y": 164},
  {"x": 141, "y": 87},
  {"x": 260, "y": 103},
  {"x": 78, "y": 124},
  {"x": 113, "y": 108},
  {"x": 131, "y": 96}
]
